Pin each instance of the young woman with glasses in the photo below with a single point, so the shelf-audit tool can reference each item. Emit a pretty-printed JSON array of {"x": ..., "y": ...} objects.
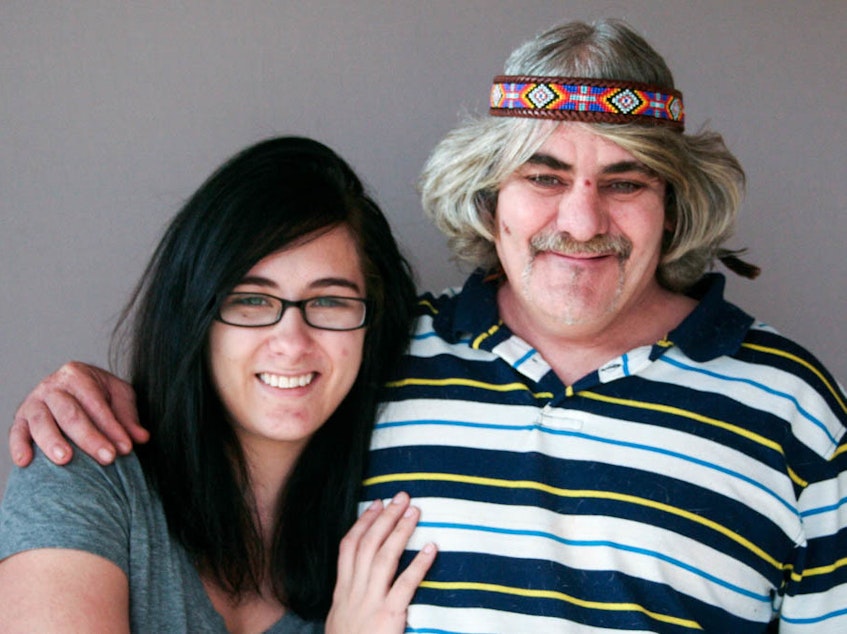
[{"x": 258, "y": 338}]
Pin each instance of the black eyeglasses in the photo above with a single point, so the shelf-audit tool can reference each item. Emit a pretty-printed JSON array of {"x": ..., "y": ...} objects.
[{"x": 327, "y": 312}]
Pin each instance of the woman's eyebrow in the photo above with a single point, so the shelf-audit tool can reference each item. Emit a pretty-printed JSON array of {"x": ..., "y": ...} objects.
[
  {"x": 257, "y": 280},
  {"x": 323, "y": 282}
]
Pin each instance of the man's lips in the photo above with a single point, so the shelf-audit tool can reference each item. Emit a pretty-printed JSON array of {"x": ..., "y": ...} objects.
[
  {"x": 581, "y": 255},
  {"x": 598, "y": 247},
  {"x": 576, "y": 259}
]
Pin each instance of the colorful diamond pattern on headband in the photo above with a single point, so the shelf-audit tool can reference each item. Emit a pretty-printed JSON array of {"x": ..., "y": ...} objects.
[
  {"x": 625, "y": 101},
  {"x": 541, "y": 95},
  {"x": 675, "y": 108},
  {"x": 551, "y": 96}
]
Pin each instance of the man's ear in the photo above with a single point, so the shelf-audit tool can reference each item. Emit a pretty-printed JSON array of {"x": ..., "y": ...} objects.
[
  {"x": 670, "y": 218},
  {"x": 486, "y": 206}
]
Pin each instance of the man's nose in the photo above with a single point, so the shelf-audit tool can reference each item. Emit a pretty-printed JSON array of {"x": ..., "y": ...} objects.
[{"x": 582, "y": 213}]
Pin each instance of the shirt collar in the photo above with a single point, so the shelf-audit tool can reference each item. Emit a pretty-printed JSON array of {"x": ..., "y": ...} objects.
[
  {"x": 473, "y": 312},
  {"x": 714, "y": 328}
]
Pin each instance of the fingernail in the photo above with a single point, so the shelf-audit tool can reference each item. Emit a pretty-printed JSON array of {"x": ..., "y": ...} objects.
[
  {"x": 124, "y": 448},
  {"x": 105, "y": 455},
  {"x": 397, "y": 499},
  {"x": 428, "y": 548},
  {"x": 374, "y": 505},
  {"x": 59, "y": 453}
]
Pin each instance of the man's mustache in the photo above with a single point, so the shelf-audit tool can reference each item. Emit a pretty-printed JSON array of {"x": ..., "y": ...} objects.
[{"x": 564, "y": 244}]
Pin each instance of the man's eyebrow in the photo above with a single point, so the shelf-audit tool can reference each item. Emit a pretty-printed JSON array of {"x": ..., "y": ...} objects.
[
  {"x": 550, "y": 161},
  {"x": 622, "y": 167}
]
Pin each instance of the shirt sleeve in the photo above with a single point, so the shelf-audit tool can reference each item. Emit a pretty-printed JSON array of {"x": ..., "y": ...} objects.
[
  {"x": 81, "y": 506},
  {"x": 815, "y": 597}
]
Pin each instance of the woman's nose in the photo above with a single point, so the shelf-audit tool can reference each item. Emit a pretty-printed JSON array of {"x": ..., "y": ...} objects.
[{"x": 291, "y": 334}]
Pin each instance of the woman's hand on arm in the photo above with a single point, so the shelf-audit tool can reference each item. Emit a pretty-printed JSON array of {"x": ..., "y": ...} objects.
[
  {"x": 367, "y": 598},
  {"x": 59, "y": 590},
  {"x": 92, "y": 407}
]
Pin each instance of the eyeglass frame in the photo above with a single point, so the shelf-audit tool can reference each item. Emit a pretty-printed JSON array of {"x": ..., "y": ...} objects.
[{"x": 300, "y": 305}]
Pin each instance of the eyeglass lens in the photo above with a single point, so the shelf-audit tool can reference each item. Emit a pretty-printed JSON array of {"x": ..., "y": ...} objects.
[{"x": 328, "y": 312}]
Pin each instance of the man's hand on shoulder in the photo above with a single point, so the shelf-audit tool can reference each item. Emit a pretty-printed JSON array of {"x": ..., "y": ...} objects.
[{"x": 83, "y": 403}]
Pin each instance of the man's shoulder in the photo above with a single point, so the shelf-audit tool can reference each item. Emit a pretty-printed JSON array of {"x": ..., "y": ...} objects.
[
  {"x": 765, "y": 345},
  {"x": 719, "y": 329},
  {"x": 435, "y": 316},
  {"x": 431, "y": 302},
  {"x": 457, "y": 311}
]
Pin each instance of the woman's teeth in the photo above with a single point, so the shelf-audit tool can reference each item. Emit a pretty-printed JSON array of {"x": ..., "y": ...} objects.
[{"x": 277, "y": 380}]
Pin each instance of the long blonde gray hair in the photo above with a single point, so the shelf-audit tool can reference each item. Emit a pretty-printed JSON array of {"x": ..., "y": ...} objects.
[{"x": 704, "y": 181}]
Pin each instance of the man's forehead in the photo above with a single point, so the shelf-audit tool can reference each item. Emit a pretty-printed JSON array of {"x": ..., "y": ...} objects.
[{"x": 571, "y": 136}]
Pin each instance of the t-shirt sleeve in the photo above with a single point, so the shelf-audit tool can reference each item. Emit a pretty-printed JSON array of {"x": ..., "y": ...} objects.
[
  {"x": 81, "y": 506},
  {"x": 816, "y": 581}
]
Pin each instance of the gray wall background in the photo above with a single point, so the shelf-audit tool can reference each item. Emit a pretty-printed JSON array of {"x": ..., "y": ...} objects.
[{"x": 113, "y": 112}]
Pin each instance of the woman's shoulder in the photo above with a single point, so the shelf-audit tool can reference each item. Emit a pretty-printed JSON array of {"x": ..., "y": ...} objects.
[
  {"x": 80, "y": 477},
  {"x": 82, "y": 505}
]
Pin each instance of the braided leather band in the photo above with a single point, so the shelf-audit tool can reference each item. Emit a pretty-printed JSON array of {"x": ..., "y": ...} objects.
[{"x": 589, "y": 100}]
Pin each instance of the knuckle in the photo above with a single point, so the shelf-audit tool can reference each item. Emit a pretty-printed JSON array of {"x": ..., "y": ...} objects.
[
  {"x": 68, "y": 411},
  {"x": 17, "y": 428},
  {"x": 73, "y": 367},
  {"x": 21, "y": 412},
  {"x": 348, "y": 543},
  {"x": 388, "y": 553},
  {"x": 53, "y": 383},
  {"x": 38, "y": 418},
  {"x": 370, "y": 540},
  {"x": 125, "y": 390},
  {"x": 68, "y": 373}
]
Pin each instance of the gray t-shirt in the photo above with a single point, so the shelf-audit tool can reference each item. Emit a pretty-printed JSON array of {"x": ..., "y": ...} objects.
[{"x": 112, "y": 512}]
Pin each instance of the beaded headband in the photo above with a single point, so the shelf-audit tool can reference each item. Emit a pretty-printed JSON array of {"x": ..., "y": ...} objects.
[{"x": 581, "y": 99}]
